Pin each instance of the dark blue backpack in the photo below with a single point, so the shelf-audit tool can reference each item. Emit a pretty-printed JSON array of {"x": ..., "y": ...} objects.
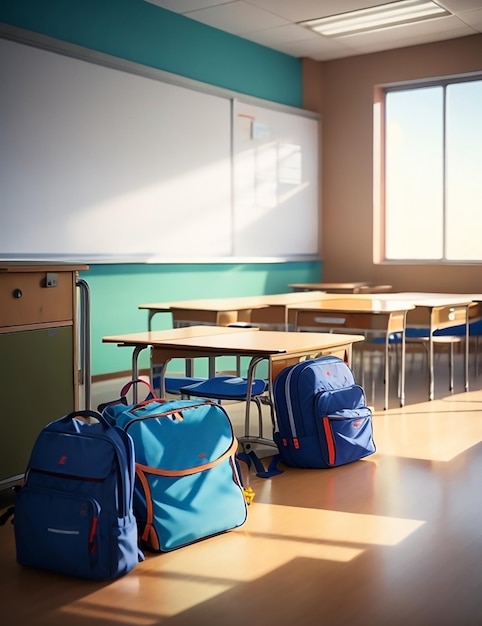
[
  {"x": 73, "y": 514},
  {"x": 321, "y": 413}
]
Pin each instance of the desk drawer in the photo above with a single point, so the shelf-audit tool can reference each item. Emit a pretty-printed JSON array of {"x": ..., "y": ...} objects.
[
  {"x": 190, "y": 317},
  {"x": 26, "y": 299},
  {"x": 444, "y": 317},
  {"x": 340, "y": 320}
]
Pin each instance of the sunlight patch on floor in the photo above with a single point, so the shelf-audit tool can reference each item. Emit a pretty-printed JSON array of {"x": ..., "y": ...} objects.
[
  {"x": 272, "y": 537},
  {"x": 317, "y": 527},
  {"x": 434, "y": 424}
]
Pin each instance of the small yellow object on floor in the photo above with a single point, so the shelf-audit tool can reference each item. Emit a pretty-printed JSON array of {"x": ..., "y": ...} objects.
[{"x": 248, "y": 495}]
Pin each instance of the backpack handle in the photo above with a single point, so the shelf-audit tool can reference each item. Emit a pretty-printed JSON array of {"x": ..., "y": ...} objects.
[
  {"x": 87, "y": 413},
  {"x": 128, "y": 385}
]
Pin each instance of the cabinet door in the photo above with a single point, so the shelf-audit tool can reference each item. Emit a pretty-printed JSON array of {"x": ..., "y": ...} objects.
[{"x": 36, "y": 387}]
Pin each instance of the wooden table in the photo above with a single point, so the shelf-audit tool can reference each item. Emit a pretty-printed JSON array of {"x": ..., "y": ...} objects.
[
  {"x": 224, "y": 311},
  {"x": 437, "y": 311},
  {"x": 213, "y": 311},
  {"x": 279, "y": 348},
  {"x": 368, "y": 316},
  {"x": 145, "y": 339}
]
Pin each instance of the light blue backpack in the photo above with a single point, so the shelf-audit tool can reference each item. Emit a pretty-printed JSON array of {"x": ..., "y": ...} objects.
[{"x": 187, "y": 486}]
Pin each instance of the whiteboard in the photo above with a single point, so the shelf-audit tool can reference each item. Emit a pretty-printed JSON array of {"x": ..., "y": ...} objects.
[{"x": 103, "y": 164}]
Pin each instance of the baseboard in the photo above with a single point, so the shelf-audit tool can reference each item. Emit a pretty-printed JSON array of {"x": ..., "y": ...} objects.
[{"x": 127, "y": 374}]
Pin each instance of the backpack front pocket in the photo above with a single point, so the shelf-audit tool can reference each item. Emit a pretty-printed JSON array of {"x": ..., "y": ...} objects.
[
  {"x": 347, "y": 435},
  {"x": 56, "y": 528}
]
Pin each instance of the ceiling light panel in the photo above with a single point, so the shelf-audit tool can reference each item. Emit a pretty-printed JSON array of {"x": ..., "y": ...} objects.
[{"x": 376, "y": 18}]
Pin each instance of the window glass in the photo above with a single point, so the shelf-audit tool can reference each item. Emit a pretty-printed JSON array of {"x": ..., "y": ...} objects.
[
  {"x": 433, "y": 172},
  {"x": 414, "y": 174},
  {"x": 464, "y": 171}
]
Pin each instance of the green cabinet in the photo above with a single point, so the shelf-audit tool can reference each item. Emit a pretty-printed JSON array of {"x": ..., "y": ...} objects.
[
  {"x": 36, "y": 387},
  {"x": 39, "y": 356}
]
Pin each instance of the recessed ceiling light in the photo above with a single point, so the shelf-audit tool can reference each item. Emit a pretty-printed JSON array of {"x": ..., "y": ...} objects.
[{"x": 376, "y": 18}]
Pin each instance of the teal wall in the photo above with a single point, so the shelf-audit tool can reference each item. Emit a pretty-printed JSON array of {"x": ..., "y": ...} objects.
[{"x": 143, "y": 33}]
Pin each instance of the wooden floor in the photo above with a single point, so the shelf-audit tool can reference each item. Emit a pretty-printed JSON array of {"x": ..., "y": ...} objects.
[{"x": 393, "y": 539}]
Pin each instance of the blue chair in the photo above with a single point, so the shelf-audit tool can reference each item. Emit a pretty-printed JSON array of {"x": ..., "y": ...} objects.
[
  {"x": 225, "y": 388},
  {"x": 174, "y": 384},
  {"x": 377, "y": 344},
  {"x": 475, "y": 332},
  {"x": 235, "y": 388},
  {"x": 421, "y": 336}
]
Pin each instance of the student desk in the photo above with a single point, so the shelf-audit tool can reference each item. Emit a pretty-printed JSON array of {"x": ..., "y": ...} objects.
[
  {"x": 437, "y": 311},
  {"x": 266, "y": 311},
  {"x": 368, "y": 315},
  {"x": 224, "y": 311},
  {"x": 280, "y": 348},
  {"x": 142, "y": 340},
  {"x": 213, "y": 311}
]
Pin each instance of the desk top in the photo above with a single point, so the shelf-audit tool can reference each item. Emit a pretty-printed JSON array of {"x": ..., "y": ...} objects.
[
  {"x": 416, "y": 298},
  {"x": 205, "y": 304},
  {"x": 429, "y": 299},
  {"x": 244, "y": 342},
  {"x": 155, "y": 337},
  {"x": 373, "y": 306},
  {"x": 231, "y": 303}
]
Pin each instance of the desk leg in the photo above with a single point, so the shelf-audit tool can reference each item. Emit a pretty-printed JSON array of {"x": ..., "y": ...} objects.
[
  {"x": 248, "y": 437},
  {"x": 135, "y": 370},
  {"x": 387, "y": 369},
  {"x": 402, "y": 373},
  {"x": 431, "y": 390},
  {"x": 466, "y": 353}
]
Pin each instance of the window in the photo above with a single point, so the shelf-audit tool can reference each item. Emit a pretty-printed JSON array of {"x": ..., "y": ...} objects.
[{"x": 433, "y": 172}]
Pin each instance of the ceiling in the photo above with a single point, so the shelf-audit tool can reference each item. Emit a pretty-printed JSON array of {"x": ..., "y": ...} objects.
[{"x": 273, "y": 23}]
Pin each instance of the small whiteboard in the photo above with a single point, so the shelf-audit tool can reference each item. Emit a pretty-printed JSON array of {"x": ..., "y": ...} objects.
[{"x": 275, "y": 178}]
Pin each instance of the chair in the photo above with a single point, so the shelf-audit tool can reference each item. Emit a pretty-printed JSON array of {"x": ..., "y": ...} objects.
[
  {"x": 376, "y": 346},
  {"x": 475, "y": 332},
  {"x": 174, "y": 384},
  {"x": 421, "y": 336},
  {"x": 235, "y": 388}
]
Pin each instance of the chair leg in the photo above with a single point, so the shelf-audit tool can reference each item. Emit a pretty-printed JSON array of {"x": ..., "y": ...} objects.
[
  {"x": 477, "y": 356},
  {"x": 451, "y": 367},
  {"x": 260, "y": 417}
]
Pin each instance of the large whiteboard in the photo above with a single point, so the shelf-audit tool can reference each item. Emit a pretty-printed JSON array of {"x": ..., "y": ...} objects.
[{"x": 100, "y": 163}]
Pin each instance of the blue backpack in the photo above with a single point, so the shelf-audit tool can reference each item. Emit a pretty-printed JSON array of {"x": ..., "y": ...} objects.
[
  {"x": 188, "y": 486},
  {"x": 73, "y": 514},
  {"x": 321, "y": 414}
]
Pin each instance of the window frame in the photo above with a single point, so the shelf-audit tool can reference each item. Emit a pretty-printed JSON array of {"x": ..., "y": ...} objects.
[{"x": 380, "y": 166}]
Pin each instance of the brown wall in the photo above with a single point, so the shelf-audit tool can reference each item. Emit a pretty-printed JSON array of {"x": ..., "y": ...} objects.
[{"x": 343, "y": 92}]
